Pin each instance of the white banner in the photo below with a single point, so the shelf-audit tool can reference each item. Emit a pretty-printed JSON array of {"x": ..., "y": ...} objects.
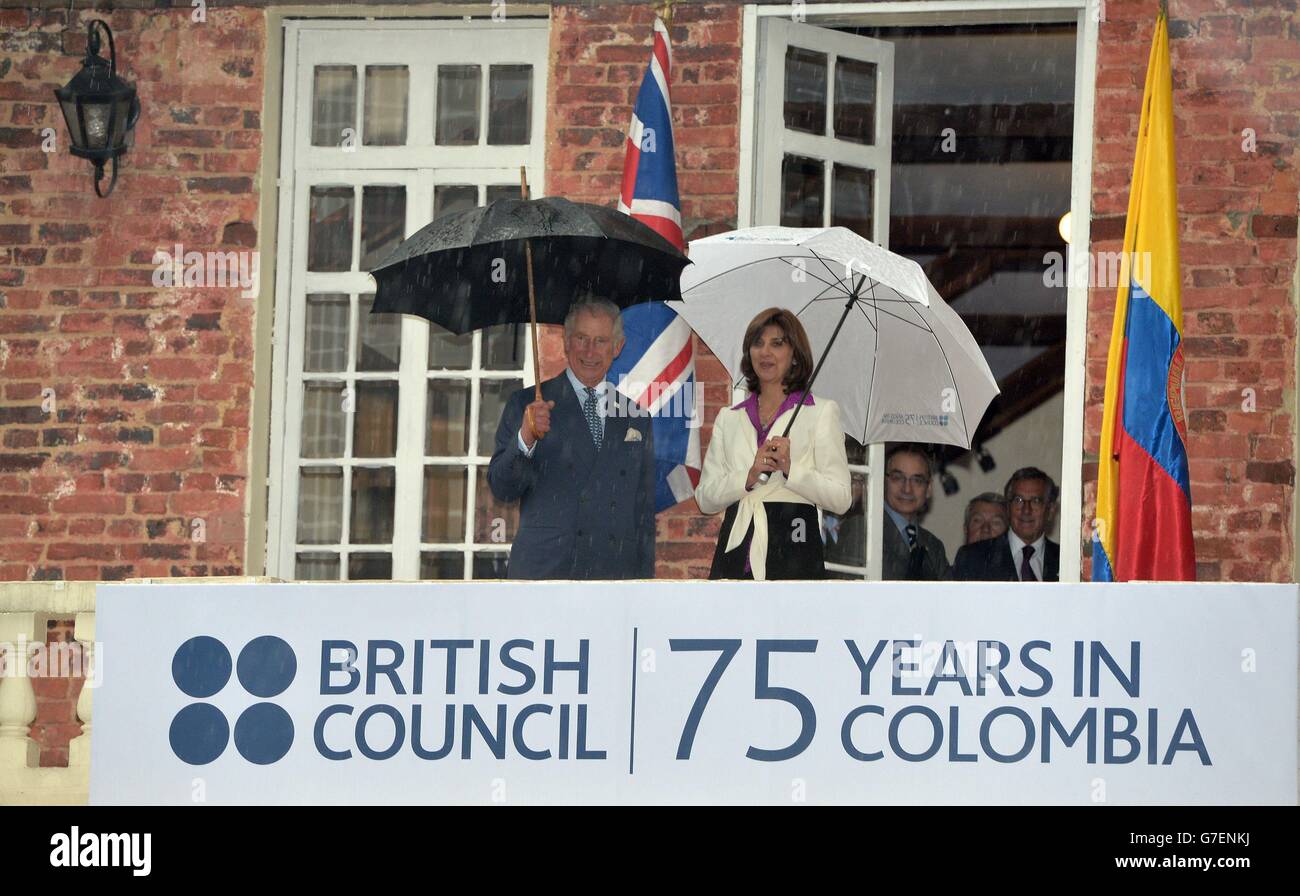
[{"x": 695, "y": 692}]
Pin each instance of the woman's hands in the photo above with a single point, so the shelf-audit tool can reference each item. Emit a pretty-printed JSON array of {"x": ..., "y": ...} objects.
[{"x": 774, "y": 455}]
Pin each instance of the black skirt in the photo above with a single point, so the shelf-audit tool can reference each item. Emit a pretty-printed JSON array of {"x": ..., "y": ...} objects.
[{"x": 794, "y": 544}]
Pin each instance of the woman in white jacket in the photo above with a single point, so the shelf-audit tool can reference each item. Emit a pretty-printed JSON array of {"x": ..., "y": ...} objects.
[{"x": 771, "y": 529}]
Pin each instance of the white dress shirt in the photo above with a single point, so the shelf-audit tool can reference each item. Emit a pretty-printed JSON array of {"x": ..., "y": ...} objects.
[
  {"x": 580, "y": 391},
  {"x": 1018, "y": 553}
]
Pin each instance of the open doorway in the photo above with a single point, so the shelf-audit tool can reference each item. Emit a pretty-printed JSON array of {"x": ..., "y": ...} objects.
[{"x": 975, "y": 181}]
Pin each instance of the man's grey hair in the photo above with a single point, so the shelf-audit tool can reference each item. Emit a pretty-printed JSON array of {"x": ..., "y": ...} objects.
[
  {"x": 592, "y": 305},
  {"x": 986, "y": 498},
  {"x": 1033, "y": 474}
]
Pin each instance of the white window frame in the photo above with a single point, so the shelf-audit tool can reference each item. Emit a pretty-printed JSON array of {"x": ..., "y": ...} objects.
[
  {"x": 303, "y": 165},
  {"x": 1086, "y": 14}
]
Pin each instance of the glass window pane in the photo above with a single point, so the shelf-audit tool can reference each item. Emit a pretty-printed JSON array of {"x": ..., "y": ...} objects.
[
  {"x": 383, "y": 223},
  {"x": 492, "y": 401},
  {"x": 803, "y": 182},
  {"x": 329, "y": 231},
  {"x": 448, "y": 351},
  {"x": 323, "y": 420},
  {"x": 451, "y": 198},
  {"x": 490, "y": 566},
  {"x": 442, "y": 565},
  {"x": 510, "y": 104},
  {"x": 326, "y": 349},
  {"x": 385, "y": 121},
  {"x": 805, "y": 90},
  {"x": 856, "y": 452},
  {"x": 447, "y": 423},
  {"x": 334, "y": 104},
  {"x": 379, "y": 337},
  {"x": 457, "y": 110},
  {"x": 316, "y": 567},
  {"x": 846, "y": 536},
  {"x": 374, "y": 490},
  {"x": 363, "y": 566},
  {"x": 851, "y": 199},
  {"x": 503, "y": 347},
  {"x": 502, "y": 191},
  {"x": 374, "y": 425},
  {"x": 320, "y": 505},
  {"x": 444, "y": 504},
  {"x": 855, "y": 100},
  {"x": 494, "y": 522}
]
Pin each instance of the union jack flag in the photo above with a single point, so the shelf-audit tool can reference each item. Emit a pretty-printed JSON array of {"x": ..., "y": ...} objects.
[
  {"x": 649, "y": 191},
  {"x": 656, "y": 368}
]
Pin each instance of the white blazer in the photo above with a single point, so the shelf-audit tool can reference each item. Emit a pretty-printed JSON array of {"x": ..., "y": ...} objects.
[{"x": 819, "y": 472}]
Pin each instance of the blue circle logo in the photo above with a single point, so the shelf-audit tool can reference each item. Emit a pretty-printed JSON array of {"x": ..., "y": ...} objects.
[
  {"x": 263, "y": 733},
  {"x": 201, "y": 667},
  {"x": 199, "y": 733},
  {"x": 267, "y": 666}
]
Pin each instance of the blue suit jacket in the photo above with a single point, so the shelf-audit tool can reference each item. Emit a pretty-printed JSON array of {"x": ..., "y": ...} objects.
[{"x": 584, "y": 513}]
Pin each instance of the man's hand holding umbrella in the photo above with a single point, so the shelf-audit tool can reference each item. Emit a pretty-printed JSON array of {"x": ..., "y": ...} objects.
[{"x": 537, "y": 421}]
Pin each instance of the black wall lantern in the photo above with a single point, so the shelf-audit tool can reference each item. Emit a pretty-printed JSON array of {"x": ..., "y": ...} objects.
[{"x": 100, "y": 108}]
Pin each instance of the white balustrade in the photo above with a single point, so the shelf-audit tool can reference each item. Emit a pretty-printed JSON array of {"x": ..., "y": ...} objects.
[{"x": 26, "y": 608}]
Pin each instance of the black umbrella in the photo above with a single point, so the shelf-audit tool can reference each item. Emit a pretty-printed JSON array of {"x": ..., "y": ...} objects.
[
  {"x": 520, "y": 260},
  {"x": 468, "y": 270}
]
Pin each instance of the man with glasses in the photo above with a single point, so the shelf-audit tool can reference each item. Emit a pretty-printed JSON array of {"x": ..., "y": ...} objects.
[
  {"x": 581, "y": 464},
  {"x": 910, "y": 552},
  {"x": 1023, "y": 553}
]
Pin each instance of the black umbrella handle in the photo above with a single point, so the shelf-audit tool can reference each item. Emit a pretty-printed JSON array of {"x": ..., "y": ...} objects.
[{"x": 848, "y": 306}]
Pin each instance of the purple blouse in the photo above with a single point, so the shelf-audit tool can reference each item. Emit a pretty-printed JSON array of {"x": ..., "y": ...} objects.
[{"x": 750, "y": 407}]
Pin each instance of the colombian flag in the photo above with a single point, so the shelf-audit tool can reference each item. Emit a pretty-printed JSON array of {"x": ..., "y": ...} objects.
[{"x": 1144, "y": 506}]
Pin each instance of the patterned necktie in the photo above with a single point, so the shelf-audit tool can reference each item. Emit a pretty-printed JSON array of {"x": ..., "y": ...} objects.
[
  {"x": 916, "y": 556},
  {"x": 1027, "y": 571},
  {"x": 593, "y": 418}
]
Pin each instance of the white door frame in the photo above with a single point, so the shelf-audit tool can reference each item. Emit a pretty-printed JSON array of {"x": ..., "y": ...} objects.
[
  {"x": 407, "y": 165},
  {"x": 1086, "y": 14}
]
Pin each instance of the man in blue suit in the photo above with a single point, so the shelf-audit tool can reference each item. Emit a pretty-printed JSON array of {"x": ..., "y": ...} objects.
[{"x": 580, "y": 463}]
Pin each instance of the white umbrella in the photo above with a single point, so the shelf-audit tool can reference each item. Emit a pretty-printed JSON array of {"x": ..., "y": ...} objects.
[{"x": 903, "y": 366}]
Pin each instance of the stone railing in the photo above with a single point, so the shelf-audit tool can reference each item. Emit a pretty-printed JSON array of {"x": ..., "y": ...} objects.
[{"x": 26, "y": 608}]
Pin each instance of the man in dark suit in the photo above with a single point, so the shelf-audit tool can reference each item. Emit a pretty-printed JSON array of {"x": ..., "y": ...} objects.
[
  {"x": 581, "y": 464},
  {"x": 1023, "y": 553},
  {"x": 910, "y": 551}
]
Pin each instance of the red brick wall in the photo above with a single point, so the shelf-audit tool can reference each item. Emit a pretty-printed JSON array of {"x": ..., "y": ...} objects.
[
  {"x": 598, "y": 57},
  {"x": 1235, "y": 66},
  {"x": 147, "y": 429}
]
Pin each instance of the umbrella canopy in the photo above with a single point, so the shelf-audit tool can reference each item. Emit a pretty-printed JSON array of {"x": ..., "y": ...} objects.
[
  {"x": 902, "y": 367},
  {"x": 468, "y": 270}
]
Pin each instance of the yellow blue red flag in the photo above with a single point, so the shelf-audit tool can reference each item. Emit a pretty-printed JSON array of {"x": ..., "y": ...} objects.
[{"x": 1143, "y": 527}]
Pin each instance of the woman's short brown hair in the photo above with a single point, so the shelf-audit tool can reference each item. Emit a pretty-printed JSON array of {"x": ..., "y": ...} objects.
[{"x": 796, "y": 378}]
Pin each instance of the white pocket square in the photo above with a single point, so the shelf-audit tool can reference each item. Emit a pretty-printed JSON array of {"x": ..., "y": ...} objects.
[{"x": 632, "y": 435}]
